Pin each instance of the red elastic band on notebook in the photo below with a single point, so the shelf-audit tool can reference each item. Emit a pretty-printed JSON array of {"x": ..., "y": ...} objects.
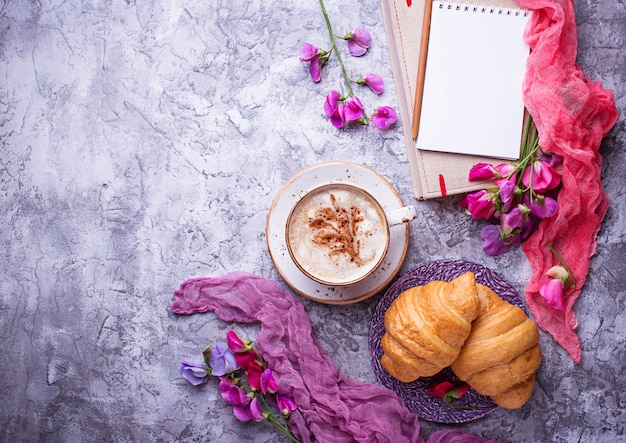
[{"x": 442, "y": 186}]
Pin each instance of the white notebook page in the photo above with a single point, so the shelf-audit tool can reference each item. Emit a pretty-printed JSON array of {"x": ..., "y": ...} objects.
[{"x": 476, "y": 62}]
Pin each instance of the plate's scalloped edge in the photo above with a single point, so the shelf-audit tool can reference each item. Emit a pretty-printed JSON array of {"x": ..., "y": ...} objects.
[{"x": 414, "y": 393}]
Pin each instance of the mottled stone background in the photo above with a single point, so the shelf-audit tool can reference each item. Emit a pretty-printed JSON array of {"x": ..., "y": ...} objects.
[{"x": 142, "y": 143}]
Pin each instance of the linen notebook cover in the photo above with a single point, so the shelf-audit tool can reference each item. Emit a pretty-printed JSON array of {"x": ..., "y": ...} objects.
[{"x": 472, "y": 89}]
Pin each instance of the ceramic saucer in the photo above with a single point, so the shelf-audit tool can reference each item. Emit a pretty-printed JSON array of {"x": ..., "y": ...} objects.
[{"x": 293, "y": 190}]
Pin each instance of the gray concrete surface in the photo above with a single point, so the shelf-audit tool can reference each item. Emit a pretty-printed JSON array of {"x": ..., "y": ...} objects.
[{"x": 142, "y": 143}]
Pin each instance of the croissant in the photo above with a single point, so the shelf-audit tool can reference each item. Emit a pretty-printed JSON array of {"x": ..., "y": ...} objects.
[
  {"x": 502, "y": 353},
  {"x": 426, "y": 327}
]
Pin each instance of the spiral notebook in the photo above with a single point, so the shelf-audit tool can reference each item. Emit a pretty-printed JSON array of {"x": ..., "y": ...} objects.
[{"x": 471, "y": 105}]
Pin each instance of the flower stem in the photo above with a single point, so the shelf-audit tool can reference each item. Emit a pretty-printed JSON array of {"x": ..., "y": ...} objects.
[
  {"x": 331, "y": 35},
  {"x": 567, "y": 268},
  {"x": 276, "y": 422}
]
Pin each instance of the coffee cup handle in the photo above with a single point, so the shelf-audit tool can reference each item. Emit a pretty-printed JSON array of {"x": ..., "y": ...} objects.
[{"x": 401, "y": 215}]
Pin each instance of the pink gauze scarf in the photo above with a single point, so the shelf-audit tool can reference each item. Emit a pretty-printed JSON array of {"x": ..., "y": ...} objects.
[
  {"x": 331, "y": 406},
  {"x": 572, "y": 115}
]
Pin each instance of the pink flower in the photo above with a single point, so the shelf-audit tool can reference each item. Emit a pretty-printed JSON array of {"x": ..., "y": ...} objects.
[
  {"x": 254, "y": 371},
  {"x": 268, "y": 384},
  {"x": 353, "y": 109},
  {"x": 479, "y": 205},
  {"x": 236, "y": 344},
  {"x": 541, "y": 176},
  {"x": 374, "y": 81},
  {"x": 316, "y": 57},
  {"x": 482, "y": 171},
  {"x": 334, "y": 109},
  {"x": 359, "y": 41},
  {"x": 552, "y": 291},
  {"x": 507, "y": 193},
  {"x": 286, "y": 404},
  {"x": 384, "y": 117},
  {"x": 441, "y": 389}
]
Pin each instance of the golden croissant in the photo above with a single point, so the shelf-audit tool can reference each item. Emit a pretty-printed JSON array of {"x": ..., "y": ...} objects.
[
  {"x": 501, "y": 354},
  {"x": 426, "y": 327}
]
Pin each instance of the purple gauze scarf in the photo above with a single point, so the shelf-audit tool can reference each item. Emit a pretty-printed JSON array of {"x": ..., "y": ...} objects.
[{"x": 331, "y": 406}]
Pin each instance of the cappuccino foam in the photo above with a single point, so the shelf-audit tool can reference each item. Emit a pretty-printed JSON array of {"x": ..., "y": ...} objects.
[{"x": 337, "y": 234}]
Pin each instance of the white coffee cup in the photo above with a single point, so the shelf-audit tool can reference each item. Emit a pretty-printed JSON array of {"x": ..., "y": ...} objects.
[{"x": 338, "y": 233}]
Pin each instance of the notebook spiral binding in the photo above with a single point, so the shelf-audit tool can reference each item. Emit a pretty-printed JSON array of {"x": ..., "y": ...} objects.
[{"x": 467, "y": 7}]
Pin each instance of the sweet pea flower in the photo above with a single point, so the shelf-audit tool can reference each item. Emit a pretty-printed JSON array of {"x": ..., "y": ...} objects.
[
  {"x": 353, "y": 109},
  {"x": 493, "y": 244},
  {"x": 196, "y": 374},
  {"x": 507, "y": 193},
  {"x": 544, "y": 206},
  {"x": 541, "y": 176},
  {"x": 384, "y": 117},
  {"x": 479, "y": 205},
  {"x": 316, "y": 57},
  {"x": 551, "y": 290},
  {"x": 249, "y": 411},
  {"x": 236, "y": 344},
  {"x": 254, "y": 371},
  {"x": 268, "y": 384},
  {"x": 482, "y": 171},
  {"x": 374, "y": 81},
  {"x": 222, "y": 361},
  {"x": 359, "y": 41},
  {"x": 440, "y": 389},
  {"x": 334, "y": 109},
  {"x": 286, "y": 404}
]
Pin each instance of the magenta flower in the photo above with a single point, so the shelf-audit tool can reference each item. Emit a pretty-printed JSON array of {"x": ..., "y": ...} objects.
[
  {"x": 544, "y": 206},
  {"x": 384, "y": 117},
  {"x": 196, "y": 374},
  {"x": 440, "y": 389},
  {"x": 353, "y": 109},
  {"x": 374, "y": 81},
  {"x": 507, "y": 193},
  {"x": 359, "y": 41},
  {"x": 479, "y": 205},
  {"x": 268, "y": 384},
  {"x": 482, "y": 171},
  {"x": 222, "y": 360},
  {"x": 316, "y": 57},
  {"x": 254, "y": 371},
  {"x": 250, "y": 411},
  {"x": 492, "y": 237},
  {"x": 541, "y": 176},
  {"x": 552, "y": 289},
  {"x": 334, "y": 109},
  {"x": 286, "y": 404},
  {"x": 236, "y": 344}
]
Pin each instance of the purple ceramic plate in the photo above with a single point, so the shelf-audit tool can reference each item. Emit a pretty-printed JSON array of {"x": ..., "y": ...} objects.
[{"x": 415, "y": 393}]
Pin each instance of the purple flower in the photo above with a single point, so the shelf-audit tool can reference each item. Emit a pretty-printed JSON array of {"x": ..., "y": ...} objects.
[
  {"x": 196, "y": 374},
  {"x": 479, "y": 205},
  {"x": 249, "y": 411},
  {"x": 482, "y": 171},
  {"x": 353, "y": 109},
  {"x": 384, "y": 117},
  {"x": 286, "y": 404},
  {"x": 222, "y": 360},
  {"x": 374, "y": 81},
  {"x": 359, "y": 41},
  {"x": 544, "y": 206},
  {"x": 507, "y": 193},
  {"x": 334, "y": 109},
  {"x": 493, "y": 244},
  {"x": 268, "y": 384},
  {"x": 314, "y": 55}
]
